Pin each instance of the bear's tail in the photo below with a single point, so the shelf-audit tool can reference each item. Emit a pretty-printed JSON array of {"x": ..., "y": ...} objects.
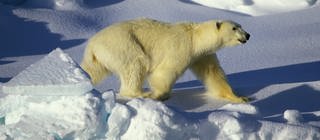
[{"x": 93, "y": 67}]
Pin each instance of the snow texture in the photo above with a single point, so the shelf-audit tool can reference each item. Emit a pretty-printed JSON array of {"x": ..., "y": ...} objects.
[
  {"x": 55, "y": 74},
  {"x": 292, "y": 116},
  {"x": 258, "y": 7},
  {"x": 77, "y": 113},
  {"x": 147, "y": 119},
  {"x": 52, "y": 117}
]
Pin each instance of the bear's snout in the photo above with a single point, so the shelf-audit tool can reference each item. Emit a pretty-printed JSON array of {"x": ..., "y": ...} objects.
[{"x": 247, "y": 36}]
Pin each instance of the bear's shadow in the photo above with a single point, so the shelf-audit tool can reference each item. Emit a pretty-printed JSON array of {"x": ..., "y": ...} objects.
[{"x": 303, "y": 98}]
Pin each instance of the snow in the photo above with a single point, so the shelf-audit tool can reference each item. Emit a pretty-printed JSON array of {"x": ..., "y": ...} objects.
[
  {"x": 258, "y": 7},
  {"x": 278, "y": 68},
  {"x": 292, "y": 116},
  {"x": 76, "y": 113},
  {"x": 242, "y": 108},
  {"x": 55, "y": 74},
  {"x": 55, "y": 4},
  {"x": 148, "y": 119},
  {"x": 52, "y": 117}
]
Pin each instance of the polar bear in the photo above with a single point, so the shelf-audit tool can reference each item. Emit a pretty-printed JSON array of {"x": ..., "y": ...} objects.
[{"x": 159, "y": 52}]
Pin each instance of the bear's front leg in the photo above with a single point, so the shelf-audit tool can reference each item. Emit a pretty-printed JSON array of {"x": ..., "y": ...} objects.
[{"x": 208, "y": 70}]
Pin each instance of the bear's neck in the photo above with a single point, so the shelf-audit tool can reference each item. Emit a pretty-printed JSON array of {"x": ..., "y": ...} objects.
[{"x": 205, "y": 38}]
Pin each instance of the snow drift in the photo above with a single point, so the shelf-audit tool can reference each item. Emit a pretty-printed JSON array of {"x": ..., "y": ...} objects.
[{"x": 258, "y": 7}]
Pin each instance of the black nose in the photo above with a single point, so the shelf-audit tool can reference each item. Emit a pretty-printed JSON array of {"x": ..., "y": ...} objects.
[{"x": 247, "y": 36}]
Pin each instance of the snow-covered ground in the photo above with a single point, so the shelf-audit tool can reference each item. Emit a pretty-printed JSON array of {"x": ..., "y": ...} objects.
[
  {"x": 279, "y": 68},
  {"x": 258, "y": 7}
]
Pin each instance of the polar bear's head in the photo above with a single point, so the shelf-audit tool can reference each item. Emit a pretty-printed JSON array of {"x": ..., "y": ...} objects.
[{"x": 231, "y": 33}]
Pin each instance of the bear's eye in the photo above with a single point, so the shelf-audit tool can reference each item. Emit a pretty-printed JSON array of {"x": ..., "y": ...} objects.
[{"x": 234, "y": 28}]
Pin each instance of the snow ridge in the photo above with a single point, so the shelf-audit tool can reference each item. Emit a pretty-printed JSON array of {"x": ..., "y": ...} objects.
[{"x": 55, "y": 74}]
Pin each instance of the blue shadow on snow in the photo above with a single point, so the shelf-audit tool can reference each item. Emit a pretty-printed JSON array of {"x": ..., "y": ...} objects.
[
  {"x": 22, "y": 37},
  {"x": 100, "y": 3},
  {"x": 303, "y": 98},
  {"x": 4, "y": 79},
  {"x": 247, "y": 83}
]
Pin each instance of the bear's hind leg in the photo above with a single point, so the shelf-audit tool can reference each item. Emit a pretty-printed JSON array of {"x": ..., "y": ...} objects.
[
  {"x": 132, "y": 78},
  {"x": 94, "y": 68},
  {"x": 161, "y": 81},
  {"x": 208, "y": 70}
]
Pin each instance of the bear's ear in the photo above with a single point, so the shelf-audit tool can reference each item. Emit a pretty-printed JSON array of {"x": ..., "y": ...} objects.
[{"x": 218, "y": 24}]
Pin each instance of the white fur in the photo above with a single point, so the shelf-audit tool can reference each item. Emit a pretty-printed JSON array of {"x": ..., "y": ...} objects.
[{"x": 159, "y": 52}]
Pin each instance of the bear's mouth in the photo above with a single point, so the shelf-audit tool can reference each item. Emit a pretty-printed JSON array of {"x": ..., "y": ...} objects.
[{"x": 242, "y": 40}]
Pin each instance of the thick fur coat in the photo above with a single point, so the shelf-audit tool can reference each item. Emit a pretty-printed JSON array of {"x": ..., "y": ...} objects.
[{"x": 159, "y": 52}]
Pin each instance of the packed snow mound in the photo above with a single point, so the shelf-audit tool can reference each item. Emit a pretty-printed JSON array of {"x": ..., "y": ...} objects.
[
  {"x": 146, "y": 119},
  {"x": 292, "y": 116},
  {"x": 258, "y": 7},
  {"x": 78, "y": 113},
  {"x": 55, "y": 74},
  {"x": 52, "y": 117},
  {"x": 101, "y": 117}
]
